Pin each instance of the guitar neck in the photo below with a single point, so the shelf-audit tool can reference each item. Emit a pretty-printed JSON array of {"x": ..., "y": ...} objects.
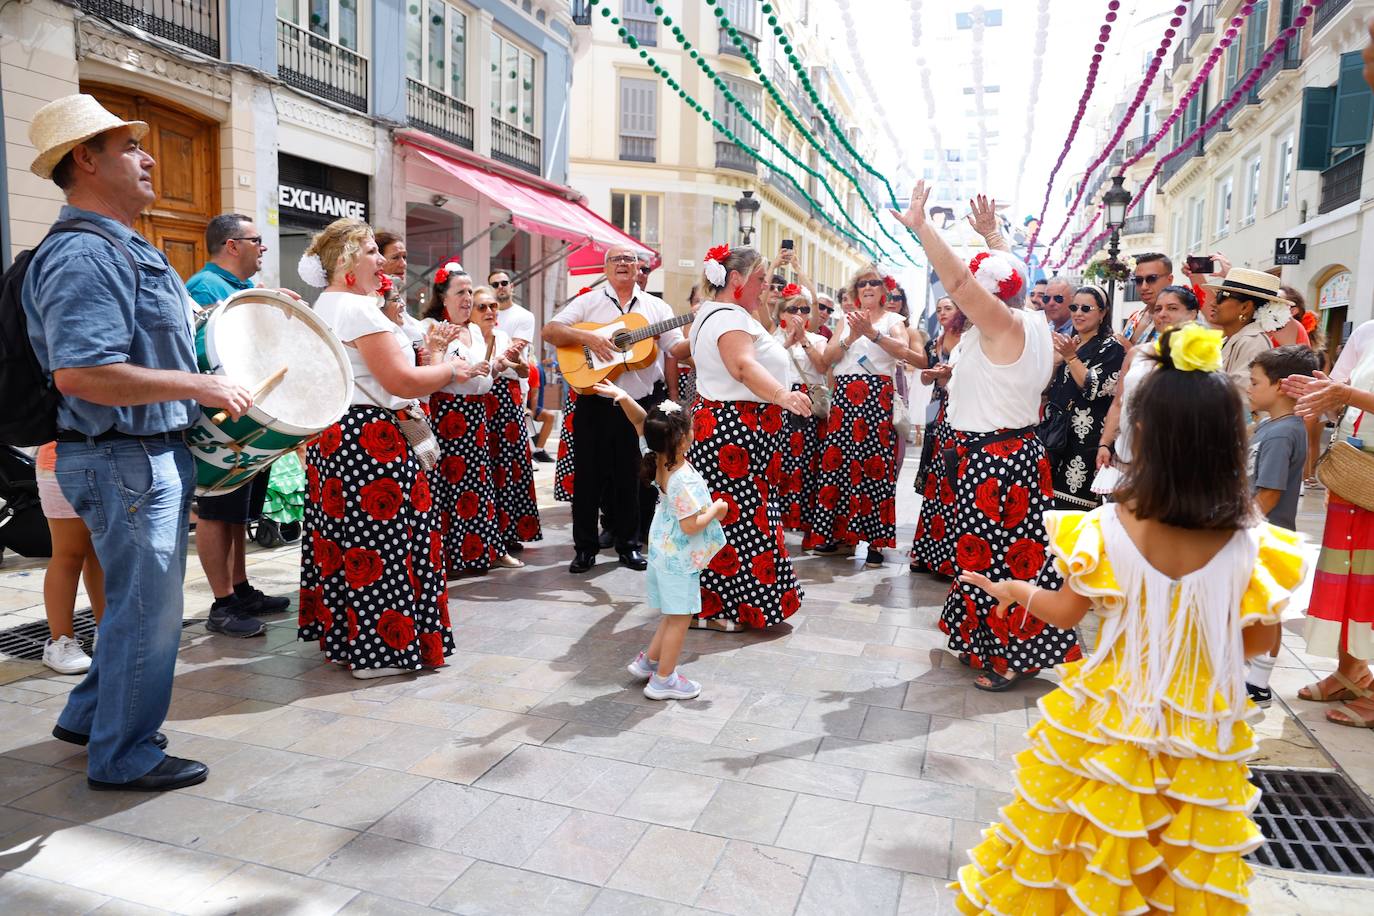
[{"x": 657, "y": 328}]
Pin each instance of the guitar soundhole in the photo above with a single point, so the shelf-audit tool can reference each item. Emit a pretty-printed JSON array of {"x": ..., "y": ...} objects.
[{"x": 621, "y": 339}]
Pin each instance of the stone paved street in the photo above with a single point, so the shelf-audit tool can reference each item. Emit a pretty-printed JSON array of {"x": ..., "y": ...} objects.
[{"x": 838, "y": 765}]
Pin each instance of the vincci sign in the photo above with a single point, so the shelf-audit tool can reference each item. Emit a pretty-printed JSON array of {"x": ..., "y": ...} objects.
[{"x": 321, "y": 203}]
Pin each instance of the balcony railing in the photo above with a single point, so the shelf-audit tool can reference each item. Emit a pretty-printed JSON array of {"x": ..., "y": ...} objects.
[
  {"x": 1341, "y": 183},
  {"x": 1290, "y": 59},
  {"x": 581, "y": 12},
  {"x": 1204, "y": 22},
  {"x": 1117, "y": 157},
  {"x": 645, "y": 31},
  {"x": 728, "y": 47},
  {"x": 320, "y": 67},
  {"x": 1133, "y": 146},
  {"x": 439, "y": 113},
  {"x": 1327, "y": 12},
  {"x": 511, "y": 145},
  {"x": 1174, "y": 165},
  {"x": 729, "y": 156},
  {"x": 193, "y": 23},
  {"x": 779, "y": 180},
  {"x": 637, "y": 149},
  {"x": 1181, "y": 55},
  {"x": 1139, "y": 225}
]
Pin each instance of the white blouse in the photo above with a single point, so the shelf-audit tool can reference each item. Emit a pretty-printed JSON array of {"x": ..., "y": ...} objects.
[
  {"x": 809, "y": 374},
  {"x": 351, "y": 316},
  {"x": 472, "y": 354},
  {"x": 880, "y": 362},
  {"x": 714, "y": 382},
  {"x": 985, "y": 396}
]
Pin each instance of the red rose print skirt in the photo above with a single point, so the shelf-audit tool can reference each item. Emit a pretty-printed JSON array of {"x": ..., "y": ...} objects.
[
  {"x": 801, "y": 464},
  {"x": 464, "y": 485},
  {"x": 857, "y": 495},
  {"x": 749, "y": 584},
  {"x": 372, "y": 565},
  {"x": 517, "y": 509},
  {"x": 563, "y": 470},
  {"x": 1001, "y": 492},
  {"x": 933, "y": 546}
]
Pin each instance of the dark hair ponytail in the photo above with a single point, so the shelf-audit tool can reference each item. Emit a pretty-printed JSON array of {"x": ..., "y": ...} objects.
[{"x": 663, "y": 433}]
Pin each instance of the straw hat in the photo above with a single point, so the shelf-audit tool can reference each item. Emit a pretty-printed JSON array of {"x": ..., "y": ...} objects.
[
  {"x": 63, "y": 123},
  {"x": 1252, "y": 284}
]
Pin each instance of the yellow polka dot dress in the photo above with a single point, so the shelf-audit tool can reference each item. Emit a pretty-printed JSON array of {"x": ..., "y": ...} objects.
[{"x": 1134, "y": 797}]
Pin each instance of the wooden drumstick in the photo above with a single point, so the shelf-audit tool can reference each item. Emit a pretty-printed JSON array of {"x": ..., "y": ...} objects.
[{"x": 263, "y": 387}]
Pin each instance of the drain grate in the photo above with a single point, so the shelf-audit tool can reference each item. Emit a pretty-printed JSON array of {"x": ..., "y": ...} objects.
[
  {"x": 1314, "y": 821},
  {"x": 26, "y": 640}
]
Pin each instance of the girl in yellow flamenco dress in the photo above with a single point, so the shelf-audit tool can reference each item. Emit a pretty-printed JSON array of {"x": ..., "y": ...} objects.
[{"x": 1133, "y": 796}]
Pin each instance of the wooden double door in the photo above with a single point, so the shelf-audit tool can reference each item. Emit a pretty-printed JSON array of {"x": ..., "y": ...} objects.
[{"x": 186, "y": 177}]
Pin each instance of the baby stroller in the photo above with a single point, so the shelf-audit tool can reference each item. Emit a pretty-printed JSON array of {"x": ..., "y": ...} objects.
[
  {"x": 23, "y": 528},
  {"x": 280, "y": 522}
]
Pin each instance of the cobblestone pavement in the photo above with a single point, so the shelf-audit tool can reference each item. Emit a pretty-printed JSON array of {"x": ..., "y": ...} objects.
[{"x": 837, "y": 765}]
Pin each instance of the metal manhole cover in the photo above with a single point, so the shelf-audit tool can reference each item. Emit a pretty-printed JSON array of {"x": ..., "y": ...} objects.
[
  {"x": 1313, "y": 821},
  {"x": 27, "y": 640}
]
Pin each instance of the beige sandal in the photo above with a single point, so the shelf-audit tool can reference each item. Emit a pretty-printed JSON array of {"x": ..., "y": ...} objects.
[
  {"x": 1349, "y": 690},
  {"x": 1351, "y": 717}
]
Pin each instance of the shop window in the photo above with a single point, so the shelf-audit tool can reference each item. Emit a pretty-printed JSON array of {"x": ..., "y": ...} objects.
[
  {"x": 512, "y": 84},
  {"x": 637, "y": 215},
  {"x": 436, "y": 46},
  {"x": 510, "y": 251},
  {"x": 434, "y": 236}
]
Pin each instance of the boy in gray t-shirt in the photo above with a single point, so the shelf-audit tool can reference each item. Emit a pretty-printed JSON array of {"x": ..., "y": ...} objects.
[{"x": 1278, "y": 456}]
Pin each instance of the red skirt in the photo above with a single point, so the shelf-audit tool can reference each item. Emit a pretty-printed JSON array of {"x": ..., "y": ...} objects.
[
  {"x": 464, "y": 485},
  {"x": 517, "y": 507},
  {"x": 1340, "y": 615},
  {"x": 857, "y": 499}
]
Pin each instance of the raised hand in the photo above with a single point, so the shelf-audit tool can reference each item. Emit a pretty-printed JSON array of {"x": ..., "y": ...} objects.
[
  {"x": 983, "y": 216},
  {"x": 915, "y": 216}
]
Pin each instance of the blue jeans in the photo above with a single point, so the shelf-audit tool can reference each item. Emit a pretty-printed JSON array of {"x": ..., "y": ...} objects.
[{"x": 135, "y": 497}]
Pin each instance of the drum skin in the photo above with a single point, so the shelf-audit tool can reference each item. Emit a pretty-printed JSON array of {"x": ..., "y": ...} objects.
[{"x": 238, "y": 337}]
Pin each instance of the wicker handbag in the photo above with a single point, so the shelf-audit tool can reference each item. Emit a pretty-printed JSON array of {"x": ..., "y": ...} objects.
[{"x": 1348, "y": 472}]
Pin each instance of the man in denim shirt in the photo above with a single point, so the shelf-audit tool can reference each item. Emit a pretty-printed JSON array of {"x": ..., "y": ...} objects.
[{"x": 120, "y": 351}]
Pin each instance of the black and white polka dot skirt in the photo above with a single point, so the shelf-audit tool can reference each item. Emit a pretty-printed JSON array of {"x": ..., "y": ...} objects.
[
  {"x": 517, "y": 509},
  {"x": 1001, "y": 492},
  {"x": 857, "y": 495},
  {"x": 464, "y": 484},
  {"x": 372, "y": 580},
  {"x": 563, "y": 470},
  {"x": 801, "y": 464},
  {"x": 932, "y": 548},
  {"x": 749, "y": 583}
]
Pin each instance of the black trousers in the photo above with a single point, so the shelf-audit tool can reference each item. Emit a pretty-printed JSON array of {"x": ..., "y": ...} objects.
[{"x": 606, "y": 474}]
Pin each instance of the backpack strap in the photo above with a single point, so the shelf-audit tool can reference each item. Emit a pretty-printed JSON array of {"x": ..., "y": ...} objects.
[{"x": 94, "y": 228}]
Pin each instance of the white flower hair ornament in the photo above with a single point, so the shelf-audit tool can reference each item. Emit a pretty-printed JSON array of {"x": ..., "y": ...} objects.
[
  {"x": 713, "y": 265},
  {"x": 1273, "y": 316},
  {"x": 998, "y": 273},
  {"x": 669, "y": 406},
  {"x": 311, "y": 270}
]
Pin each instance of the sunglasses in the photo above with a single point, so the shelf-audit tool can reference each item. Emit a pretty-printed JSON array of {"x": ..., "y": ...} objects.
[
  {"x": 826, "y": 308},
  {"x": 1081, "y": 308},
  {"x": 255, "y": 239},
  {"x": 1045, "y": 297},
  {"x": 1152, "y": 278},
  {"x": 777, "y": 287},
  {"x": 487, "y": 307},
  {"x": 644, "y": 271},
  {"x": 798, "y": 310},
  {"x": 900, "y": 300},
  {"x": 501, "y": 284},
  {"x": 863, "y": 284}
]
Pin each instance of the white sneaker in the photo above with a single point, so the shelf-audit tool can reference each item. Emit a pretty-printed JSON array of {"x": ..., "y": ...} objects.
[
  {"x": 673, "y": 687},
  {"x": 641, "y": 667},
  {"x": 364, "y": 674},
  {"x": 64, "y": 655}
]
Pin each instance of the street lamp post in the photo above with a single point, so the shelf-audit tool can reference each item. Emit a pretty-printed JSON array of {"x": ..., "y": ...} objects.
[
  {"x": 747, "y": 207},
  {"x": 1117, "y": 200}
]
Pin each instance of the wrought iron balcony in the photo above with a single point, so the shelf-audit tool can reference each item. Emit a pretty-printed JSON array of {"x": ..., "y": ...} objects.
[
  {"x": 729, "y": 156},
  {"x": 1174, "y": 165},
  {"x": 1139, "y": 225},
  {"x": 511, "y": 145},
  {"x": 439, "y": 113},
  {"x": 1117, "y": 157},
  {"x": 320, "y": 67},
  {"x": 1290, "y": 59},
  {"x": 193, "y": 23},
  {"x": 1327, "y": 12},
  {"x": 637, "y": 149},
  {"x": 727, "y": 46},
  {"x": 1204, "y": 22},
  {"x": 1341, "y": 183},
  {"x": 1181, "y": 55},
  {"x": 581, "y": 12},
  {"x": 1133, "y": 147},
  {"x": 780, "y": 181}
]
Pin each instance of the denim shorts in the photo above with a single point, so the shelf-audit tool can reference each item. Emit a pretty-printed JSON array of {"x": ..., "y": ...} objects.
[{"x": 674, "y": 593}]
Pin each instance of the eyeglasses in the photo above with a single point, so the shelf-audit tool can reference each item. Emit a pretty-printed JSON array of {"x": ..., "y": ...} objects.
[
  {"x": 255, "y": 239},
  {"x": 485, "y": 307},
  {"x": 1081, "y": 308},
  {"x": 1045, "y": 297},
  {"x": 622, "y": 259},
  {"x": 798, "y": 310},
  {"x": 862, "y": 284},
  {"x": 501, "y": 284},
  {"x": 1152, "y": 278},
  {"x": 777, "y": 287}
]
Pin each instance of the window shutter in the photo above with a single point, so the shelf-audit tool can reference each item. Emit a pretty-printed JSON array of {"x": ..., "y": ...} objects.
[
  {"x": 1354, "y": 108},
  {"x": 1314, "y": 136},
  {"x": 637, "y": 108}
]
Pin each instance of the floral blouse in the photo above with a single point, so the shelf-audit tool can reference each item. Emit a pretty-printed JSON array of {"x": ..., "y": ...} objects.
[
  {"x": 671, "y": 549},
  {"x": 1087, "y": 406}
]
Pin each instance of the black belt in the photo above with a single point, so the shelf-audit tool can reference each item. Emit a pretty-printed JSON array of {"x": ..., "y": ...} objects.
[{"x": 114, "y": 435}]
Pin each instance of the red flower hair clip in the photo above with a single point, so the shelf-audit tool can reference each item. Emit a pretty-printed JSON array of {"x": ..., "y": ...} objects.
[
  {"x": 718, "y": 254},
  {"x": 997, "y": 275},
  {"x": 890, "y": 283},
  {"x": 384, "y": 286},
  {"x": 448, "y": 270},
  {"x": 713, "y": 265},
  {"x": 791, "y": 290}
]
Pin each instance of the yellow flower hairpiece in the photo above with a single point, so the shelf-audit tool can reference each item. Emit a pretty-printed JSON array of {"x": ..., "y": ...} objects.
[{"x": 1193, "y": 348}]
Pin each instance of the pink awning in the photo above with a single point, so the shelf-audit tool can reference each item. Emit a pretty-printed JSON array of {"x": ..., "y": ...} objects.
[{"x": 542, "y": 213}]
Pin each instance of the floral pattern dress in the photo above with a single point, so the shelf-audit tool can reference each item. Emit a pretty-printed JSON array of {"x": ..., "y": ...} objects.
[
  {"x": 857, "y": 495},
  {"x": 932, "y": 547},
  {"x": 1087, "y": 405}
]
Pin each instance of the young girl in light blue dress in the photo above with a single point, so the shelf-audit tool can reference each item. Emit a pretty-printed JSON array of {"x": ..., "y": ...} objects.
[{"x": 685, "y": 534}]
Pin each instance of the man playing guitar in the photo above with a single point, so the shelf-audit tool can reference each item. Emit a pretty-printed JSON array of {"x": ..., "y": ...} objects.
[{"x": 607, "y": 453}]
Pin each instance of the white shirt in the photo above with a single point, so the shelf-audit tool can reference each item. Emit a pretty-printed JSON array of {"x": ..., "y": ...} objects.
[
  {"x": 350, "y": 316},
  {"x": 472, "y": 354},
  {"x": 714, "y": 381},
  {"x": 880, "y": 362},
  {"x": 415, "y": 328},
  {"x": 809, "y": 375},
  {"x": 518, "y": 324},
  {"x": 600, "y": 306},
  {"x": 985, "y": 396}
]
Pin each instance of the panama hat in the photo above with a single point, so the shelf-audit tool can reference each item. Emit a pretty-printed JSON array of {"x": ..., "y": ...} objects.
[
  {"x": 66, "y": 122},
  {"x": 1251, "y": 284}
]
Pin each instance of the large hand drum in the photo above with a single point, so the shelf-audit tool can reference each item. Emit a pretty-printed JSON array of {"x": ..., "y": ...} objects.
[{"x": 250, "y": 337}]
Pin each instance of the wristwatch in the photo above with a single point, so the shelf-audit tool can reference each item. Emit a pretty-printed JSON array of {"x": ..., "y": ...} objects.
[{"x": 877, "y": 337}]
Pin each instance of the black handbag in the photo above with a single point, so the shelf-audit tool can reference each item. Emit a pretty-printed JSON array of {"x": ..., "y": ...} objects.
[{"x": 1053, "y": 431}]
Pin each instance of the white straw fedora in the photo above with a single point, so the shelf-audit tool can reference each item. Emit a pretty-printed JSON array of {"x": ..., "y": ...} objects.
[
  {"x": 63, "y": 123},
  {"x": 1252, "y": 284}
]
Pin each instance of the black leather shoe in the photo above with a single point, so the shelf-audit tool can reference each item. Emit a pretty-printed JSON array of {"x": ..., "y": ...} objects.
[
  {"x": 582, "y": 562},
  {"x": 633, "y": 559},
  {"x": 62, "y": 734},
  {"x": 606, "y": 540},
  {"x": 171, "y": 773}
]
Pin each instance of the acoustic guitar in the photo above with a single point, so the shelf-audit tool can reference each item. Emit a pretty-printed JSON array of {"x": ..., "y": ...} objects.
[{"x": 631, "y": 335}]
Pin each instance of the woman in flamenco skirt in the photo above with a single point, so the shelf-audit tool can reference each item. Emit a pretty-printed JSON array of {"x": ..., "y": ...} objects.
[{"x": 932, "y": 548}]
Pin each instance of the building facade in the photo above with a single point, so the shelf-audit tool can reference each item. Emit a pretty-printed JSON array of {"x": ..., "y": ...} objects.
[
  {"x": 661, "y": 173},
  {"x": 446, "y": 121}
]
